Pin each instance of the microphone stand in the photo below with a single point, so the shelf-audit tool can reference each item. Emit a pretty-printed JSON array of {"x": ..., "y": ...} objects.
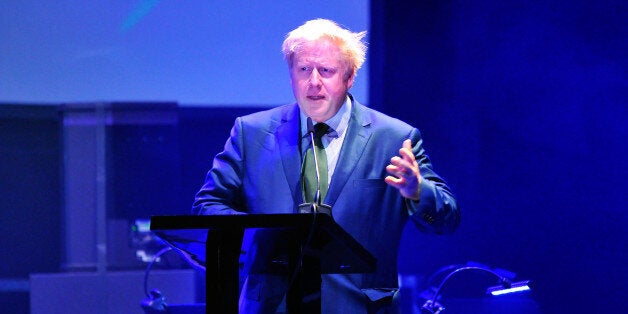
[{"x": 315, "y": 207}]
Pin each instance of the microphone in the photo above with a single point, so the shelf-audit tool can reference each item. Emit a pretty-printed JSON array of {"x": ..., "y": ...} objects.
[
  {"x": 316, "y": 206},
  {"x": 311, "y": 131}
]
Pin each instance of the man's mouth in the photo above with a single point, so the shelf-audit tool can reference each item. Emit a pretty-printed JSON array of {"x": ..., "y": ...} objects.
[{"x": 316, "y": 97}]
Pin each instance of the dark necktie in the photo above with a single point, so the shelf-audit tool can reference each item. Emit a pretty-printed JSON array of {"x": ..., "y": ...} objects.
[{"x": 309, "y": 169}]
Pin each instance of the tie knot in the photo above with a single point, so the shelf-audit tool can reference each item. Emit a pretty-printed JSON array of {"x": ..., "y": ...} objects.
[{"x": 320, "y": 129}]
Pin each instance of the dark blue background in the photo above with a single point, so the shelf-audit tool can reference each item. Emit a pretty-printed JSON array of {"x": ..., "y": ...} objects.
[{"x": 522, "y": 106}]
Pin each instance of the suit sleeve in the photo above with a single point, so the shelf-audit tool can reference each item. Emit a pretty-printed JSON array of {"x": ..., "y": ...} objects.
[
  {"x": 220, "y": 193},
  {"x": 436, "y": 210}
]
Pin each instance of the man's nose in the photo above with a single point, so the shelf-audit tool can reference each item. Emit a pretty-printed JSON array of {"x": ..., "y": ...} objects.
[{"x": 315, "y": 78}]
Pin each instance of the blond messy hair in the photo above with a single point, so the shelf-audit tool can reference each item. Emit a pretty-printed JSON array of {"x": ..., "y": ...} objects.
[{"x": 352, "y": 48}]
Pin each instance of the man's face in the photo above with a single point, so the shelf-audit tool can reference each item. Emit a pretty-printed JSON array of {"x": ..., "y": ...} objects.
[{"x": 319, "y": 80}]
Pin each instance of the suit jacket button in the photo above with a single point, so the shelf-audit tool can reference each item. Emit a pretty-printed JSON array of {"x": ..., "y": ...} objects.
[{"x": 428, "y": 218}]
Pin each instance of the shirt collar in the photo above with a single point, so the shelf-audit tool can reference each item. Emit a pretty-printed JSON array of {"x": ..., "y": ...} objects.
[{"x": 337, "y": 124}]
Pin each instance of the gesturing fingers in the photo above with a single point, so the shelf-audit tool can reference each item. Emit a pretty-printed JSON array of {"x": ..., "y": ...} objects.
[
  {"x": 404, "y": 173},
  {"x": 399, "y": 167},
  {"x": 406, "y": 153}
]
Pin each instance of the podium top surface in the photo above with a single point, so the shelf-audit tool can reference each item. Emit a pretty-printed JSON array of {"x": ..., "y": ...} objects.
[
  {"x": 341, "y": 253},
  {"x": 240, "y": 221}
]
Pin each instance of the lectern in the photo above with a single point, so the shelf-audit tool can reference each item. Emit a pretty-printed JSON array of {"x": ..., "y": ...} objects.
[{"x": 312, "y": 244}]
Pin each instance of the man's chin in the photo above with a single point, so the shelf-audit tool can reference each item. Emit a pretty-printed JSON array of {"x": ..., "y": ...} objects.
[{"x": 315, "y": 111}]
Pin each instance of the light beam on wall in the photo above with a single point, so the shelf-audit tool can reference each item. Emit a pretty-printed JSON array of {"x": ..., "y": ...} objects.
[{"x": 140, "y": 11}]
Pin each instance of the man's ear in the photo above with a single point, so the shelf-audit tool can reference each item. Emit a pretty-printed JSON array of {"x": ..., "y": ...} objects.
[{"x": 350, "y": 79}]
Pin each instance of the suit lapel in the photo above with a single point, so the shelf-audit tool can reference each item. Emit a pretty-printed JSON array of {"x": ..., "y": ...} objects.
[
  {"x": 353, "y": 147},
  {"x": 287, "y": 134}
]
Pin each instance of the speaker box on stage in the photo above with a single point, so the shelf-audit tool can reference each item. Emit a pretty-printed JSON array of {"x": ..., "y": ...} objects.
[{"x": 108, "y": 292}]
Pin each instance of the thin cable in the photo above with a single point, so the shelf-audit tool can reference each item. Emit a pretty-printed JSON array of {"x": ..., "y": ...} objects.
[
  {"x": 432, "y": 279},
  {"x": 148, "y": 267}
]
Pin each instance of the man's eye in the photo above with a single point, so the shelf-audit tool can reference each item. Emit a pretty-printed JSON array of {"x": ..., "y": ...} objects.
[
  {"x": 327, "y": 72},
  {"x": 304, "y": 69}
]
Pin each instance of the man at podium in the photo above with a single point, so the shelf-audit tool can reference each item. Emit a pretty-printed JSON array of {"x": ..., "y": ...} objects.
[{"x": 368, "y": 169}]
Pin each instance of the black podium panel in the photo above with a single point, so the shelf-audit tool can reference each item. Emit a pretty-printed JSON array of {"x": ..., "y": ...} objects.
[{"x": 313, "y": 244}]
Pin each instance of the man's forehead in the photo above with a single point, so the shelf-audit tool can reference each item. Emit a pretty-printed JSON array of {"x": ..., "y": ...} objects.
[{"x": 324, "y": 53}]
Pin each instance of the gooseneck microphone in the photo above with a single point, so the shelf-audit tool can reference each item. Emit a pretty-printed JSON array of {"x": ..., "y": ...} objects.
[
  {"x": 316, "y": 206},
  {"x": 311, "y": 131}
]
